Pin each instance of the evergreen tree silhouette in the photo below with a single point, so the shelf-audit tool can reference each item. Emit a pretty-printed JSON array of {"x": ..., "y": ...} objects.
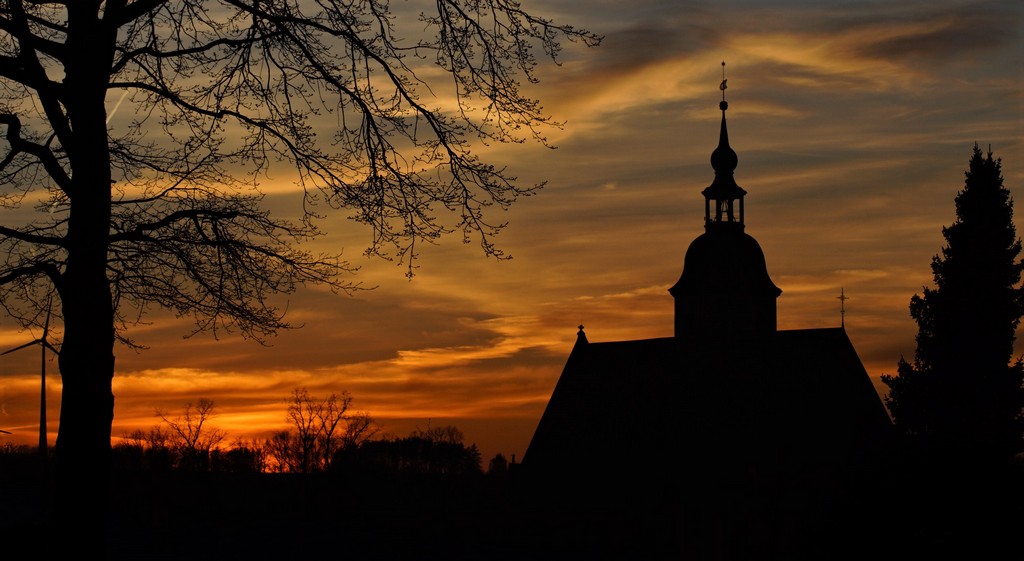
[{"x": 961, "y": 393}]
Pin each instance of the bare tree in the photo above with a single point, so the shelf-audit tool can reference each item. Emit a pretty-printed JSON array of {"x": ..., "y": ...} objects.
[
  {"x": 447, "y": 434},
  {"x": 321, "y": 427},
  {"x": 192, "y": 436},
  {"x": 164, "y": 209},
  {"x": 314, "y": 421},
  {"x": 145, "y": 449},
  {"x": 155, "y": 437},
  {"x": 244, "y": 455},
  {"x": 359, "y": 428},
  {"x": 281, "y": 453}
]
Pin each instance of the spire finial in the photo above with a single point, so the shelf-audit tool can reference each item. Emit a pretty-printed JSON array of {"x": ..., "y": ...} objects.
[
  {"x": 724, "y": 104},
  {"x": 842, "y": 306},
  {"x": 723, "y": 158}
]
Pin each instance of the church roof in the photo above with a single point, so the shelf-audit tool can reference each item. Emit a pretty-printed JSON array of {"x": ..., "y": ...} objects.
[{"x": 798, "y": 396}]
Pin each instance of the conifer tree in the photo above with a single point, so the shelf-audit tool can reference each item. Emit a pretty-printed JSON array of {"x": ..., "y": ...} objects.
[{"x": 962, "y": 393}]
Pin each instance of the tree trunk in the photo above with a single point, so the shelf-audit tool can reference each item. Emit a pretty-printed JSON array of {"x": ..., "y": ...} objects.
[
  {"x": 87, "y": 406},
  {"x": 87, "y": 353}
]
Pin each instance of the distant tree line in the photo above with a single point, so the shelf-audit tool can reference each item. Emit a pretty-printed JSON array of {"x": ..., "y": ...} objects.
[
  {"x": 324, "y": 435},
  {"x": 435, "y": 451}
]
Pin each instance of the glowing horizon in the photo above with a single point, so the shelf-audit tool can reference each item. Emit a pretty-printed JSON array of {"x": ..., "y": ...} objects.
[{"x": 853, "y": 126}]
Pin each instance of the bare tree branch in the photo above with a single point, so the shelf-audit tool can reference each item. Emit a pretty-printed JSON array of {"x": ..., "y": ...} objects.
[{"x": 137, "y": 133}]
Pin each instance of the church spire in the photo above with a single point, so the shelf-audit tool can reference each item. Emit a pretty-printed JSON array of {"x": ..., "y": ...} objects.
[
  {"x": 724, "y": 292},
  {"x": 721, "y": 209}
]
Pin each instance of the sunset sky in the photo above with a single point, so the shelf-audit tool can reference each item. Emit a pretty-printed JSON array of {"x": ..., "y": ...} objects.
[{"x": 853, "y": 122}]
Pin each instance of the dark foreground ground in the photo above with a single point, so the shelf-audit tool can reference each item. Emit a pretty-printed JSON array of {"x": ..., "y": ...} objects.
[{"x": 177, "y": 516}]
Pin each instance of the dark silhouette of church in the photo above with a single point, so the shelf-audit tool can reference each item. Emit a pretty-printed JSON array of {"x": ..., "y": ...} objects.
[{"x": 730, "y": 440}]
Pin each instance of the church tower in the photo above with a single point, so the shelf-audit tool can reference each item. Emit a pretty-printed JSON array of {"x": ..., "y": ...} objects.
[
  {"x": 760, "y": 414},
  {"x": 724, "y": 292}
]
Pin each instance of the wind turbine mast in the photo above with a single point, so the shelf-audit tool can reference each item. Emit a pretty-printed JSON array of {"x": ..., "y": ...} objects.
[
  {"x": 43, "y": 345},
  {"x": 43, "y": 434}
]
